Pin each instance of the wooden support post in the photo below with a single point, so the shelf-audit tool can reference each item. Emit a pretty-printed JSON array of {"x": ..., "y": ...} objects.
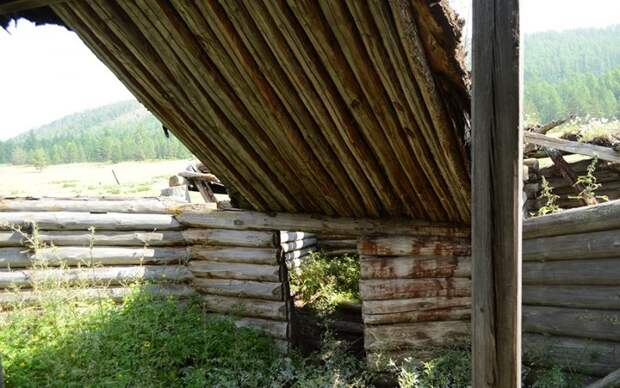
[{"x": 496, "y": 223}]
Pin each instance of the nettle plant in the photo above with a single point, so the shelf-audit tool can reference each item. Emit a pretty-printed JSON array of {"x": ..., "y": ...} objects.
[
  {"x": 550, "y": 198},
  {"x": 590, "y": 184}
]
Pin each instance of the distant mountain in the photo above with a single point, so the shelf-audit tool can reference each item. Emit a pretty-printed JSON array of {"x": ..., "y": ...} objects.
[
  {"x": 574, "y": 71},
  {"x": 115, "y": 132}
]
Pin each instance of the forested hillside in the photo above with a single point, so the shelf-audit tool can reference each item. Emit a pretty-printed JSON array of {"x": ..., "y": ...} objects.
[
  {"x": 575, "y": 71},
  {"x": 116, "y": 132}
]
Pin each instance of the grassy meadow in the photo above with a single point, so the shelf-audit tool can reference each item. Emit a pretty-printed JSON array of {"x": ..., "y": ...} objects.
[{"x": 139, "y": 179}]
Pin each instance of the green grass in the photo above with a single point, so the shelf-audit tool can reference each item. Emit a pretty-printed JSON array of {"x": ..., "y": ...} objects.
[{"x": 325, "y": 282}]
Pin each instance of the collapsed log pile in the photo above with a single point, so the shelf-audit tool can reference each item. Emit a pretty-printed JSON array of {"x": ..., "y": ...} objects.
[
  {"x": 571, "y": 277},
  {"x": 416, "y": 293},
  {"x": 606, "y": 173}
]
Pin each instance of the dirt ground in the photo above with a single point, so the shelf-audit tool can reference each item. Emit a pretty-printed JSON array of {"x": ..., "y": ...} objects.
[{"x": 140, "y": 179}]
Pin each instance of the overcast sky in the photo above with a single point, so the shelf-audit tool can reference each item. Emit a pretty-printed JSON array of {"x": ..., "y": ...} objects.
[{"x": 46, "y": 72}]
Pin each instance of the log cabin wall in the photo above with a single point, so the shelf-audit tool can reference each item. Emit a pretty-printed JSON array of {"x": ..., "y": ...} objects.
[
  {"x": 416, "y": 293},
  {"x": 571, "y": 288},
  {"x": 234, "y": 270}
]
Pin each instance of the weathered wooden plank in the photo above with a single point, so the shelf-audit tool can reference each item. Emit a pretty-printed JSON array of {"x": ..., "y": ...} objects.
[
  {"x": 599, "y": 272},
  {"x": 571, "y": 322},
  {"x": 90, "y": 205},
  {"x": 415, "y": 335},
  {"x": 95, "y": 275},
  {"x": 604, "y": 216},
  {"x": 240, "y": 288},
  {"x": 373, "y": 267},
  {"x": 246, "y": 307},
  {"x": 83, "y": 221},
  {"x": 588, "y": 296},
  {"x": 573, "y": 147},
  {"x": 16, "y": 6},
  {"x": 434, "y": 315},
  {"x": 370, "y": 307},
  {"x": 235, "y": 238},
  {"x": 230, "y": 219},
  {"x": 267, "y": 256},
  {"x": 413, "y": 246},
  {"x": 380, "y": 289},
  {"x": 582, "y": 355},
  {"x": 275, "y": 329},
  {"x": 17, "y": 258},
  {"x": 28, "y": 297},
  {"x": 11, "y": 239},
  {"x": 297, "y": 245},
  {"x": 211, "y": 269},
  {"x": 497, "y": 154},
  {"x": 574, "y": 246}
]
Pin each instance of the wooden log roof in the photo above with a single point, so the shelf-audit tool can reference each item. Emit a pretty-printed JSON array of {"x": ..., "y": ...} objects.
[{"x": 350, "y": 108}]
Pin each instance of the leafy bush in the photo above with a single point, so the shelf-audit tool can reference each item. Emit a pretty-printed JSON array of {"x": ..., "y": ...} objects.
[{"x": 326, "y": 282}]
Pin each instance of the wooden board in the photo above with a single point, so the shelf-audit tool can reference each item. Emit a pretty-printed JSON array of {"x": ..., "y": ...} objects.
[
  {"x": 431, "y": 315},
  {"x": 381, "y": 289},
  {"x": 415, "y": 335},
  {"x": 587, "y": 296},
  {"x": 240, "y": 288},
  {"x": 598, "y": 272},
  {"x": 242, "y": 307},
  {"x": 573, "y": 246},
  {"x": 217, "y": 270},
  {"x": 83, "y": 221},
  {"x": 571, "y": 322},
  {"x": 373, "y": 267},
  {"x": 573, "y": 147},
  {"x": 72, "y": 256},
  {"x": 242, "y": 255},
  {"x": 413, "y": 246}
]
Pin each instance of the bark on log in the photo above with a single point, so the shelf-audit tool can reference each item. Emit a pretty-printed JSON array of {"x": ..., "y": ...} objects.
[
  {"x": 72, "y": 256},
  {"x": 216, "y": 270},
  {"x": 240, "y": 288},
  {"x": 246, "y": 307},
  {"x": 83, "y": 221},
  {"x": 587, "y": 297},
  {"x": 373, "y": 267},
  {"x": 415, "y": 335},
  {"x": 267, "y": 256},
  {"x": 604, "y": 216},
  {"x": 570, "y": 322},
  {"x": 591, "y": 357},
  {"x": 96, "y": 275},
  {"x": 316, "y": 223},
  {"x": 596, "y": 272},
  {"x": 380, "y": 289},
  {"x": 90, "y": 205},
  {"x": 413, "y": 246},
  {"x": 594, "y": 245}
]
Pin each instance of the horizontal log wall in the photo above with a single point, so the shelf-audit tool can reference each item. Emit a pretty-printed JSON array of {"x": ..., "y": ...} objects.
[
  {"x": 333, "y": 245},
  {"x": 571, "y": 291},
  {"x": 416, "y": 293}
]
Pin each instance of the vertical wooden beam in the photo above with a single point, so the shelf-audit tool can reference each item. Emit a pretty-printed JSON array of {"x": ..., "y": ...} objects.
[{"x": 496, "y": 225}]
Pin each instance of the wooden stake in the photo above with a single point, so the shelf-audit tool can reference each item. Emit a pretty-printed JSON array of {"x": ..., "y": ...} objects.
[{"x": 496, "y": 224}]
